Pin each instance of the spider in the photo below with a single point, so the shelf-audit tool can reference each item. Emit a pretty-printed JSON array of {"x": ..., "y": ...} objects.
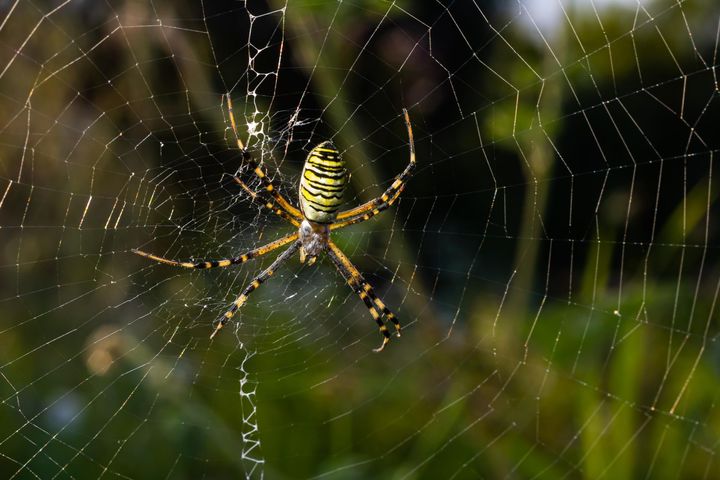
[{"x": 322, "y": 184}]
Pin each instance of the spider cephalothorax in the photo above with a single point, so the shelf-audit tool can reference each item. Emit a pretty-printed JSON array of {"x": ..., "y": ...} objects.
[
  {"x": 321, "y": 189},
  {"x": 314, "y": 239}
]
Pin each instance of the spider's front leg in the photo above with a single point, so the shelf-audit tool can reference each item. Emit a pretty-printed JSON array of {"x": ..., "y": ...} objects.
[
  {"x": 363, "y": 289},
  {"x": 259, "y": 280}
]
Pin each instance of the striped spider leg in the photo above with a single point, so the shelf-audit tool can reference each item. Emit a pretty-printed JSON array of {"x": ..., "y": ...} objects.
[
  {"x": 377, "y": 205},
  {"x": 363, "y": 289},
  {"x": 269, "y": 185},
  {"x": 257, "y": 281}
]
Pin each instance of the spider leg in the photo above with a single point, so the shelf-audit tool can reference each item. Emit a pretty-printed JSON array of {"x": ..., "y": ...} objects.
[
  {"x": 366, "y": 293},
  {"x": 269, "y": 204},
  {"x": 226, "y": 262},
  {"x": 380, "y": 203},
  {"x": 257, "y": 167},
  {"x": 368, "y": 215},
  {"x": 267, "y": 273}
]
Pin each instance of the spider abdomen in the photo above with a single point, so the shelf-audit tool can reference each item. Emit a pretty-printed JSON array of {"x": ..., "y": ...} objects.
[{"x": 322, "y": 184}]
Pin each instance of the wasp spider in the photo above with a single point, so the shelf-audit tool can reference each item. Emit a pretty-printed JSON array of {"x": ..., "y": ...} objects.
[{"x": 323, "y": 181}]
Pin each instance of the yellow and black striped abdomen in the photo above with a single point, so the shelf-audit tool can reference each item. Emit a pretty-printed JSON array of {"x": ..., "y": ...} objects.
[{"x": 322, "y": 184}]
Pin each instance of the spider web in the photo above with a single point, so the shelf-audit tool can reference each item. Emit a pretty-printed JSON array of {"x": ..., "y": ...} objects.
[{"x": 554, "y": 259}]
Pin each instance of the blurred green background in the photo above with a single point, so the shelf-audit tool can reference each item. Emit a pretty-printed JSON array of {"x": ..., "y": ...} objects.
[{"x": 554, "y": 260}]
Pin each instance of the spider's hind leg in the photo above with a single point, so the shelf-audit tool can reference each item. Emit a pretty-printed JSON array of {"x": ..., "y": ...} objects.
[
  {"x": 257, "y": 167},
  {"x": 371, "y": 208}
]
